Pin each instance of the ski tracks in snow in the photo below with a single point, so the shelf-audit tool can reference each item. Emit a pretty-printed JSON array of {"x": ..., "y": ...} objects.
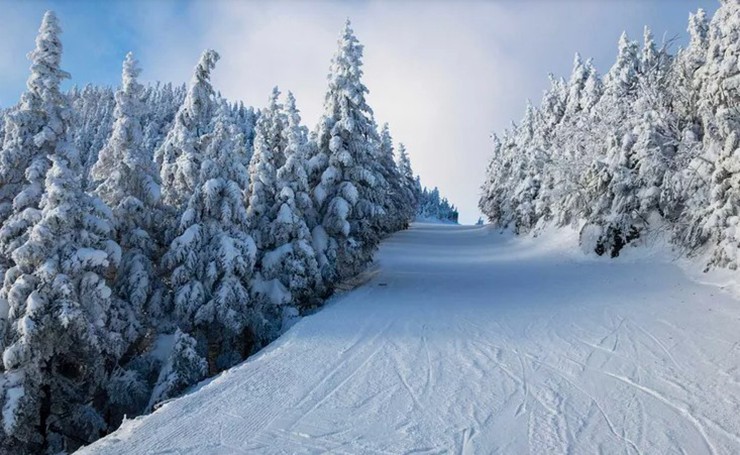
[{"x": 478, "y": 343}]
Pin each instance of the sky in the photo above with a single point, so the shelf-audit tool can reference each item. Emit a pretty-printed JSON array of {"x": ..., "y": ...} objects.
[{"x": 443, "y": 74}]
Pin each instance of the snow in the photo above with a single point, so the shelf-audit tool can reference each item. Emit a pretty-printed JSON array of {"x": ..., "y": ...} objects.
[
  {"x": 471, "y": 341},
  {"x": 12, "y": 396},
  {"x": 163, "y": 347},
  {"x": 273, "y": 289},
  {"x": 90, "y": 257}
]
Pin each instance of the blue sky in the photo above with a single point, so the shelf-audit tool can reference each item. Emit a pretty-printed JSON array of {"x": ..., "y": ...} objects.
[{"x": 443, "y": 74}]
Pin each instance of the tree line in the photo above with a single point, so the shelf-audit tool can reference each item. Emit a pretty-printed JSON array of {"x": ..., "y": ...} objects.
[{"x": 650, "y": 148}]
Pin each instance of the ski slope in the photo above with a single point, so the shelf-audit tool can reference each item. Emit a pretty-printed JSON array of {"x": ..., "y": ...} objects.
[{"x": 466, "y": 341}]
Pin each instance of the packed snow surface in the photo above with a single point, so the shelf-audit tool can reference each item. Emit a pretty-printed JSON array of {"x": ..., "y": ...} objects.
[{"x": 469, "y": 341}]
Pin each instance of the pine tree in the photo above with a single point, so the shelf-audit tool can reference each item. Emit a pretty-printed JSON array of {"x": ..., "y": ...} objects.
[
  {"x": 127, "y": 181},
  {"x": 180, "y": 155},
  {"x": 210, "y": 262},
  {"x": 289, "y": 270},
  {"x": 184, "y": 367},
  {"x": 346, "y": 135},
  {"x": 263, "y": 172},
  {"x": 720, "y": 96},
  {"x": 63, "y": 328},
  {"x": 408, "y": 183},
  {"x": 23, "y": 158},
  {"x": 395, "y": 199}
]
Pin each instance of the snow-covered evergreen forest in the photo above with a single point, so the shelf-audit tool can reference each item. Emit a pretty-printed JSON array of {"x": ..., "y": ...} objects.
[
  {"x": 153, "y": 236},
  {"x": 434, "y": 207},
  {"x": 652, "y": 148}
]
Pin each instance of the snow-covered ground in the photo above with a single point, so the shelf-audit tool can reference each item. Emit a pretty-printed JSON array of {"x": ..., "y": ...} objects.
[{"x": 468, "y": 341}]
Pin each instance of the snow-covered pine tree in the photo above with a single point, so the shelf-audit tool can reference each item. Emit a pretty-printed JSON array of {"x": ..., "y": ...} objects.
[
  {"x": 273, "y": 126},
  {"x": 184, "y": 367},
  {"x": 544, "y": 150},
  {"x": 263, "y": 172},
  {"x": 685, "y": 77},
  {"x": 489, "y": 202},
  {"x": 525, "y": 179},
  {"x": 295, "y": 174},
  {"x": 103, "y": 128},
  {"x": 163, "y": 103},
  {"x": 93, "y": 107},
  {"x": 210, "y": 263},
  {"x": 290, "y": 274},
  {"x": 611, "y": 223},
  {"x": 23, "y": 158},
  {"x": 180, "y": 155},
  {"x": 62, "y": 333},
  {"x": 690, "y": 186},
  {"x": 395, "y": 198},
  {"x": 718, "y": 107},
  {"x": 346, "y": 134},
  {"x": 126, "y": 180},
  {"x": 412, "y": 191}
]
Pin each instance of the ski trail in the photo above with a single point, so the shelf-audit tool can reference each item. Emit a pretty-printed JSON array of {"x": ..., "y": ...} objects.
[
  {"x": 477, "y": 342},
  {"x": 683, "y": 411}
]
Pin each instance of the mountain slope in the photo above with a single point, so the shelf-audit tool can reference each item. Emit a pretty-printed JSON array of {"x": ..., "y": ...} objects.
[{"x": 468, "y": 341}]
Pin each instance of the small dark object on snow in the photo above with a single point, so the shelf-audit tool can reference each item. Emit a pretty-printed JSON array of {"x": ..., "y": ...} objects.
[{"x": 382, "y": 284}]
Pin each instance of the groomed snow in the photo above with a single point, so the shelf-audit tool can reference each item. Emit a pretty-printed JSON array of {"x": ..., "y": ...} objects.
[{"x": 469, "y": 341}]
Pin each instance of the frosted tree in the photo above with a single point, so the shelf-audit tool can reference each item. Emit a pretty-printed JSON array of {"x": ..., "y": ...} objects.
[
  {"x": 592, "y": 88},
  {"x": 346, "y": 134},
  {"x": 180, "y": 155},
  {"x": 576, "y": 87},
  {"x": 395, "y": 198},
  {"x": 294, "y": 172},
  {"x": 127, "y": 180},
  {"x": 686, "y": 77},
  {"x": 106, "y": 113},
  {"x": 64, "y": 329},
  {"x": 290, "y": 271},
  {"x": 549, "y": 117},
  {"x": 525, "y": 177},
  {"x": 94, "y": 108},
  {"x": 274, "y": 122},
  {"x": 210, "y": 263},
  {"x": 23, "y": 159},
  {"x": 690, "y": 188},
  {"x": 610, "y": 222},
  {"x": 263, "y": 173},
  {"x": 184, "y": 367},
  {"x": 409, "y": 183},
  {"x": 720, "y": 96},
  {"x": 163, "y": 103},
  {"x": 489, "y": 202}
]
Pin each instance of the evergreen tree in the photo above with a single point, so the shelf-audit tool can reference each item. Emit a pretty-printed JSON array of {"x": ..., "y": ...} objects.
[
  {"x": 63, "y": 318},
  {"x": 184, "y": 368},
  {"x": 289, "y": 270},
  {"x": 408, "y": 183},
  {"x": 346, "y": 135},
  {"x": 210, "y": 262},
  {"x": 180, "y": 155},
  {"x": 394, "y": 199},
  {"x": 720, "y": 96},
  {"x": 127, "y": 180},
  {"x": 23, "y": 158},
  {"x": 263, "y": 172}
]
